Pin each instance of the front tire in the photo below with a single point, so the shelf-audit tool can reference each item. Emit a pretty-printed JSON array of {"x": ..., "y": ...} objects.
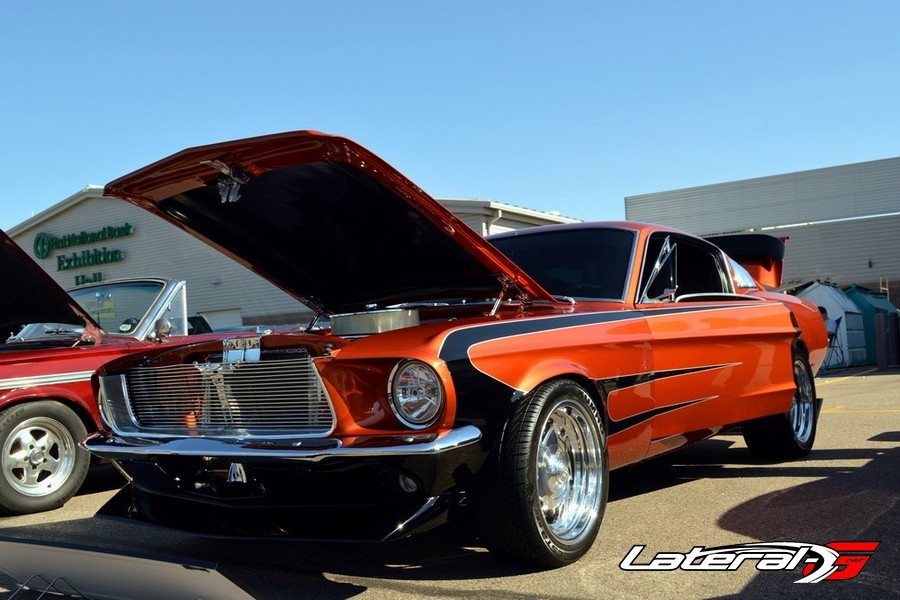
[
  {"x": 542, "y": 494},
  {"x": 789, "y": 435},
  {"x": 41, "y": 462}
]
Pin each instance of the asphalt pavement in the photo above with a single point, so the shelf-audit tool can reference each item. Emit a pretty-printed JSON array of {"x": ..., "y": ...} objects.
[{"x": 712, "y": 494}]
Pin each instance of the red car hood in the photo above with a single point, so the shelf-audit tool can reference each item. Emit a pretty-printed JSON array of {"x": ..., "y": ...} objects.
[
  {"x": 31, "y": 295},
  {"x": 326, "y": 220}
]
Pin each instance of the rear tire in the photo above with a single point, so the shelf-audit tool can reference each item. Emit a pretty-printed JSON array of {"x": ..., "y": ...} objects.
[
  {"x": 541, "y": 496},
  {"x": 792, "y": 434},
  {"x": 41, "y": 462}
]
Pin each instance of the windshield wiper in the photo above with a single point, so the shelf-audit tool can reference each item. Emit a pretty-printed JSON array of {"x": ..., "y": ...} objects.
[{"x": 61, "y": 331}]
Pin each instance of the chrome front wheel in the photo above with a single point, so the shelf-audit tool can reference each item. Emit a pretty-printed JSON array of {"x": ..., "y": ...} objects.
[
  {"x": 38, "y": 456},
  {"x": 41, "y": 464},
  {"x": 568, "y": 470},
  {"x": 541, "y": 495}
]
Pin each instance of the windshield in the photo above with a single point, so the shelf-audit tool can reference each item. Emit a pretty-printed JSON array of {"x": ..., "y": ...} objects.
[
  {"x": 580, "y": 263},
  {"x": 43, "y": 330},
  {"x": 118, "y": 308}
]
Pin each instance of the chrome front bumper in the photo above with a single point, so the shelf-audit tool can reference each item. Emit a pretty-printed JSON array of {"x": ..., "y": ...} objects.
[{"x": 310, "y": 450}]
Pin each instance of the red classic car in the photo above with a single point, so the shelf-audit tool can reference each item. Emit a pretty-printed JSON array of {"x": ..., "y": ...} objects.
[
  {"x": 50, "y": 345},
  {"x": 511, "y": 373}
]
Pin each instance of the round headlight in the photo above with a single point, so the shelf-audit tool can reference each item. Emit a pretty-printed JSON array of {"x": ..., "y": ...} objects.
[{"x": 417, "y": 395}]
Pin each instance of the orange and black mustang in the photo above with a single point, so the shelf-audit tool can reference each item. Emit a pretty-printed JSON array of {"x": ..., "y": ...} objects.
[{"x": 512, "y": 373}]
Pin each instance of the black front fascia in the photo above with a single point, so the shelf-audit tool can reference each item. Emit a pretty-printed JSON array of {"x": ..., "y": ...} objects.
[
  {"x": 342, "y": 498},
  {"x": 331, "y": 234}
]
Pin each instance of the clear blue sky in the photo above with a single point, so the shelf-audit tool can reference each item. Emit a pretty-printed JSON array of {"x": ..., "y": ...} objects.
[{"x": 567, "y": 106}]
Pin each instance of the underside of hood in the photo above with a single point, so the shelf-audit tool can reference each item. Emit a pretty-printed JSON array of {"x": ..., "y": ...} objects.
[
  {"x": 325, "y": 220},
  {"x": 31, "y": 295}
]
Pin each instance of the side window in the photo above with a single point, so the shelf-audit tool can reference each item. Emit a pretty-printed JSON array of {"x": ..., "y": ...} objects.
[
  {"x": 176, "y": 313},
  {"x": 676, "y": 266},
  {"x": 701, "y": 271}
]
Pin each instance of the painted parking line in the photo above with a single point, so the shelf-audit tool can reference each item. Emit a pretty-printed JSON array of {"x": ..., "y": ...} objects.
[
  {"x": 841, "y": 409},
  {"x": 821, "y": 383}
]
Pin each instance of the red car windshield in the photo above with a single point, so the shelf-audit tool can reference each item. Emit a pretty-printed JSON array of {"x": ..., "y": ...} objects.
[{"x": 118, "y": 308}]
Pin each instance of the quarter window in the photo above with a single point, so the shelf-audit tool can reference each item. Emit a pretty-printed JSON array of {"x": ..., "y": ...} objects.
[{"x": 676, "y": 266}]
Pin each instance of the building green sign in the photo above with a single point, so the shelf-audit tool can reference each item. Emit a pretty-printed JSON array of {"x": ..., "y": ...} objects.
[
  {"x": 45, "y": 244},
  {"x": 88, "y": 258}
]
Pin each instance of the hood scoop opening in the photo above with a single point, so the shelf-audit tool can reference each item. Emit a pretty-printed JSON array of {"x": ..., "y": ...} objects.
[{"x": 374, "y": 321}]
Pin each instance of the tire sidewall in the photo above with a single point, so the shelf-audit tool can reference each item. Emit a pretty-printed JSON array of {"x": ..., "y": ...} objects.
[
  {"x": 548, "y": 397},
  {"x": 13, "y": 501}
]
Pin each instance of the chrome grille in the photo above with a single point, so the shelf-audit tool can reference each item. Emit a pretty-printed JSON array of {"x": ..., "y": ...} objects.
[{"x": 267, "y": 397}]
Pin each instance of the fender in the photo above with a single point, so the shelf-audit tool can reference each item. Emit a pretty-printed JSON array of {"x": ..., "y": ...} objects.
[{"x": 69, "y": 396}]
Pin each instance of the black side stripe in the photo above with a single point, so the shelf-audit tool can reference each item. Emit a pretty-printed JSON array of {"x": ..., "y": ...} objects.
[
  {"x": 615, "y": 384},
  {"x": 622, "y": 383},
  {"x": 480, "y": 396},
  {"x": 457, "y": 343},
  {"x": 629, "y": 422}
]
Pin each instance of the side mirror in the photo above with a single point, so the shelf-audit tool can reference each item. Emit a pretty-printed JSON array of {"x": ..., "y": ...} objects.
[{"x": 161, "y": 330}]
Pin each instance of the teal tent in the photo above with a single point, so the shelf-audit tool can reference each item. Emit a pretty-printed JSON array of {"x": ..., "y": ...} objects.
[{"x": 870, "y": 303}]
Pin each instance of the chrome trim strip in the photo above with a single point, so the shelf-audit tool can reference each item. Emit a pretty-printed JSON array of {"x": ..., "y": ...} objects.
[
  {"x": 107, "y": 446},
  {"x": 717, "y": 296},
  {"x": 20, "y": 382}
]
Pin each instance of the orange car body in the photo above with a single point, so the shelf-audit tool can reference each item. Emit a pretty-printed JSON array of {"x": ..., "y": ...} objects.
[
  {"x": 671, "y": 352},
  {"x": 669, "y": 374}
]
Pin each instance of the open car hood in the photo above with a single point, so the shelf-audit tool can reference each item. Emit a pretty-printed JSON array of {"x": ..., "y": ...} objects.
[
  {"x": 326, "y": 220},
  {"x": 32, "y": 296}
]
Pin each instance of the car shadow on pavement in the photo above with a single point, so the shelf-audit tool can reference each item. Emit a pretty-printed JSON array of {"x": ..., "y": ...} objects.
[
  {"x": 720, "y": 458},
  {"x": 814, "y": 512},
  {"x": 289, "y": 569},
  {"x": 849, "y": 505}
]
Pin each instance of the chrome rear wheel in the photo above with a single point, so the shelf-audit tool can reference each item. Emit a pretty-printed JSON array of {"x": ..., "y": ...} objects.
[
  {"x": 803, "y": 409},
  {"x": 790, "y": 434}
]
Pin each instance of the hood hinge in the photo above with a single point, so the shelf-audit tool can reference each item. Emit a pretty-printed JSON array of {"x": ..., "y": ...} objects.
[{"x": 508, "y": 288}]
